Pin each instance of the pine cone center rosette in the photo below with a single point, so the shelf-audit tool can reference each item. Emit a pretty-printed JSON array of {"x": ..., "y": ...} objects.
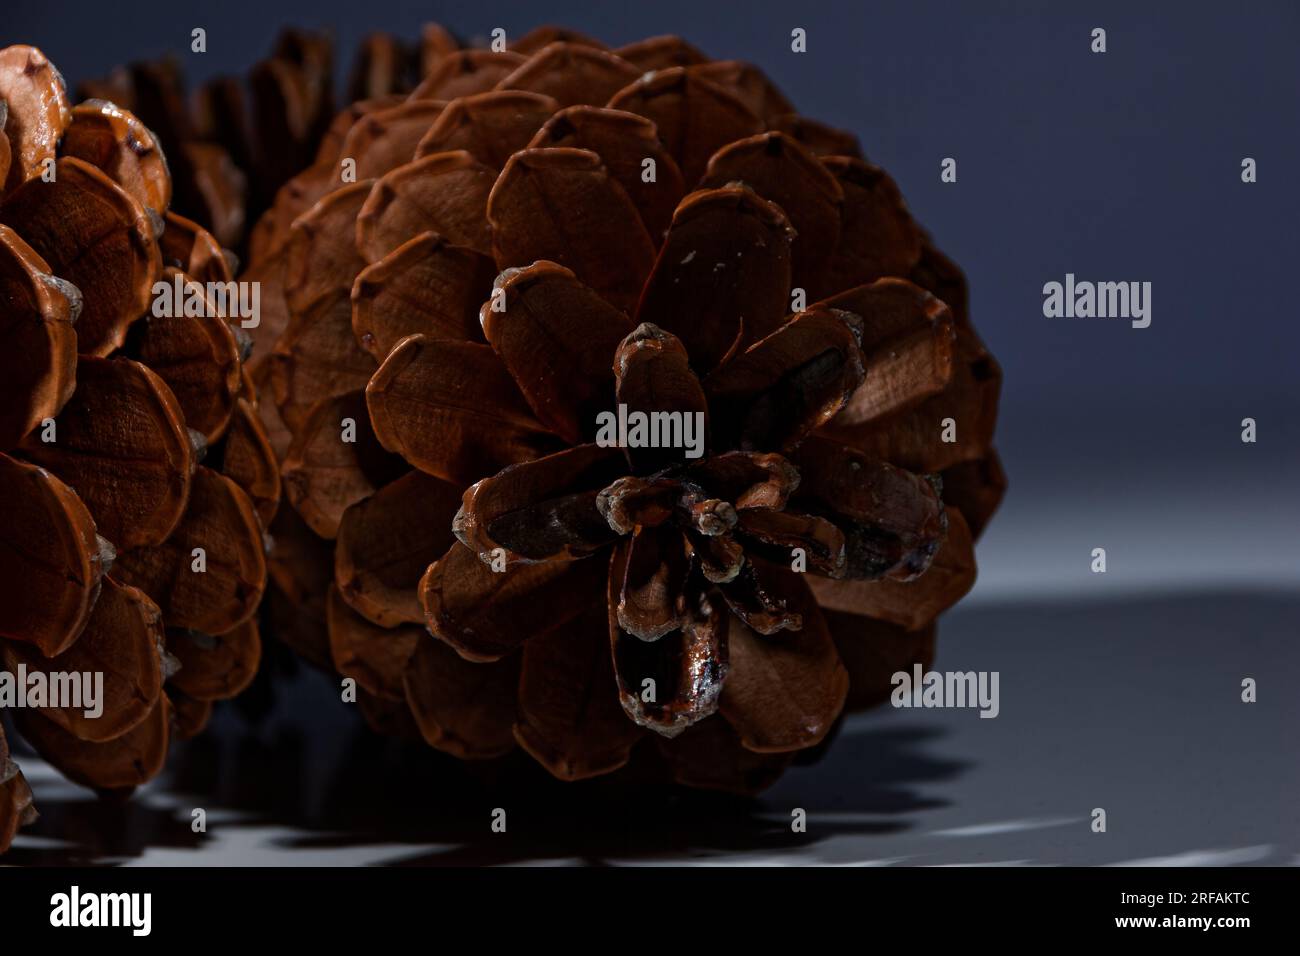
[
  {"x": 129, "y": 445},
  {"x": 558, "y": 231},
  {"x": 699, "y": 553}
]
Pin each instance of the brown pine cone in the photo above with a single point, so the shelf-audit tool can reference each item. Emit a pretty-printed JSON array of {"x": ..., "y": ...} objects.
[
  {"x": 234, "y": 142},
  {"x": 105, "y": 416},
  {"x": 544, "y": 234}
]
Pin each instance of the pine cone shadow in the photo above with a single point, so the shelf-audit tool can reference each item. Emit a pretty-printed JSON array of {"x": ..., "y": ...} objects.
[
  {"x": 599, "y": 822},
  {"x": 75, "y": 827},
  {"x": 400, "y": 794},
  {"x": 94, "y": 832},
  {"x": 337, "y": 785}
]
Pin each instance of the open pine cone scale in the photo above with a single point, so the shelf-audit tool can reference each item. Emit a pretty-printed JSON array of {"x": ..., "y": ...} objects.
[{"x": 547, "y": 233}]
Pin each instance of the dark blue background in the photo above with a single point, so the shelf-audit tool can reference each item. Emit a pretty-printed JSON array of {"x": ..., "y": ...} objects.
[
  {"x": 1119, "y": 689},
  {"x": 1120, "y": 166}
]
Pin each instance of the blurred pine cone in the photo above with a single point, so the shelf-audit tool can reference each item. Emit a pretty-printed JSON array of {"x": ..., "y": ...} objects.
[
  {"x": 540, "y": 234},
  {"x": 105, "y": 416},
  {"x": 233, "y": 142}
]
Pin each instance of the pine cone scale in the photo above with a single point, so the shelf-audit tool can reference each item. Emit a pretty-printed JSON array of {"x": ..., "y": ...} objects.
[
  {"x": 38, "y": 321},
  {"x": 485, "y": 615},
  {"x": 722, "y": 277},
  {"x": 121, "y": 641},
  {"x": 51, "y": 560},
  {"x": 555, "y": 337},
  {"x": 452, "y": 410},
  {"x": 122, "y": 443},
  {"x": 94, "y": 235}
]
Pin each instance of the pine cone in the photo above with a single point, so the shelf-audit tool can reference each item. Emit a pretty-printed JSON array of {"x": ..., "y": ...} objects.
[
  {"x": 105, "y": 416},
  {"x": 233, "y": 142},
  {"x": 544, "y": 234}
]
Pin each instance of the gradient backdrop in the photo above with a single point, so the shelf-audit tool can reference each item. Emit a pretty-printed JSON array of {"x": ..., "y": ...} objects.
[{"x": 1118, "y": 690}]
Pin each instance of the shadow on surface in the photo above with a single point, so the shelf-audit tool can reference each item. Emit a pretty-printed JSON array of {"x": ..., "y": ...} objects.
[
  {"x": 1134, "y": 706},
  {"x": 377, "y": 793}
]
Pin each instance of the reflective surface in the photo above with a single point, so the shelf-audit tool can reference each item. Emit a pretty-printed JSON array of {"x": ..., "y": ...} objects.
[{"x": 1133, "y": 707}]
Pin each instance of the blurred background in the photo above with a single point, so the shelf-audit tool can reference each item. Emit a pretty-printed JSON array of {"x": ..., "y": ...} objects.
[{"x": 1119, "y": 690}]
